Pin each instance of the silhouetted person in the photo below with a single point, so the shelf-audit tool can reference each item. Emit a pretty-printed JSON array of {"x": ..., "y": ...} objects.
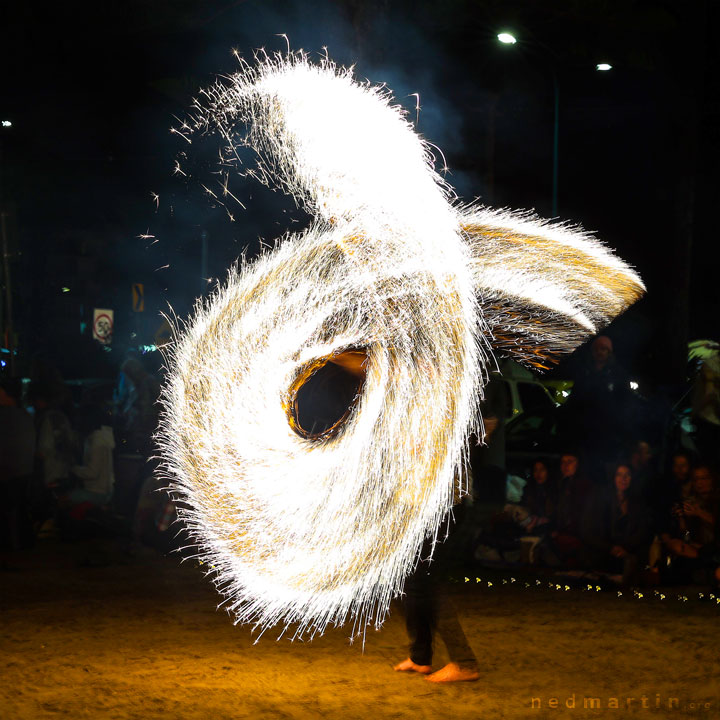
[
  {"x": 594, "y": 415},
  {"x": 17, "y": 460},
  {"x": 488, "y": 458},
  {"x": 138, "y": 416},
  {"x": 706, "y": 412}
]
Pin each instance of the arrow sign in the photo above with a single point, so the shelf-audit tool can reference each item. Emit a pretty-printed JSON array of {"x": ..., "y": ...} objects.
[{"x": 138, "y": 297}]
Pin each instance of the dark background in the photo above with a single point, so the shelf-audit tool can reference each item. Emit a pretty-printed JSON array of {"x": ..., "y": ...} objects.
[{"x": 92, "y": 90}]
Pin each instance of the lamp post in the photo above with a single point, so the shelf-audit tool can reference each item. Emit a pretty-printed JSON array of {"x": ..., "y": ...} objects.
[
  {"x": 508, "y": 38},
  {"x": 6, "y": 313}
]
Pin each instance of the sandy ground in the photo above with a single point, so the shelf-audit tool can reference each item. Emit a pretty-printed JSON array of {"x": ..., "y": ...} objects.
[{"x": 141, "y": 638}]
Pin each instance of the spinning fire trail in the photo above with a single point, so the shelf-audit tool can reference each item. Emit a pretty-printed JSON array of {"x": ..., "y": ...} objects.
[{"x": 319, "y": 403}]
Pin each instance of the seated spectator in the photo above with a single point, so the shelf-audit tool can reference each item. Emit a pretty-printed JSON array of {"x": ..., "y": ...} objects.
[
  {"x": 690, "y": 538},
  {"x": 563, "y": 547},
  {"x": 539, "y": 499},
  {"x": 57, "y": 445},
  {"x": 96, "y": 474},
  {"x": 673, "y": 487},
  {"x": 702, "y": 505},
  {"x": 616, "y": 530}
]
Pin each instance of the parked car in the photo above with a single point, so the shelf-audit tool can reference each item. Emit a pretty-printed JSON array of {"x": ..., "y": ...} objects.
[
  {"x": 529, "y": 436},
  {"x": 525, "y": 393}
]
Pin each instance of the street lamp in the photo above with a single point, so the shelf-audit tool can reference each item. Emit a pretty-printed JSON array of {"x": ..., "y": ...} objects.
[{"x": 508, "y": 39}]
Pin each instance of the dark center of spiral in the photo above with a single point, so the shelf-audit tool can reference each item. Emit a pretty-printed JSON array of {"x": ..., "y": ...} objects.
[{"x": 325, "y": 392}]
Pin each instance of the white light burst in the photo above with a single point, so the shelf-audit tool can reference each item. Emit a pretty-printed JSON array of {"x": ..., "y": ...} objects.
[{"x": 394, "y": 284}]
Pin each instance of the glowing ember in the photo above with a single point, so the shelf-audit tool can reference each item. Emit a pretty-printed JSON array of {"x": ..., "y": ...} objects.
[{"x": 319, "y": 404}]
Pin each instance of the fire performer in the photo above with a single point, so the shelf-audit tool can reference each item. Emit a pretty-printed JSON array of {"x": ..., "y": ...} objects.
[{"x": 297, "y": 393}]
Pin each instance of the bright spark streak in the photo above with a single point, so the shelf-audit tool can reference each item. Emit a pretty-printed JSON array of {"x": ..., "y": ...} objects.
[
  {"x": 287, "y": 41},
  {"x": 184, "y": 137},
  {"x": 156, "y": 199},
  {"x": 417, "y": 107},
  {"x": 209, "y": 191},
  {"x": 316, "y": 530},
  {"x": 227, "y": 192}
]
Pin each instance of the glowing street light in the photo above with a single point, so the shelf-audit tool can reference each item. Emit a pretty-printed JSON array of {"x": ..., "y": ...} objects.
[
  {"x": 7, "y": 123},
  {"x": 603, "y": 67},
  {"x": 508, "y": 39}
]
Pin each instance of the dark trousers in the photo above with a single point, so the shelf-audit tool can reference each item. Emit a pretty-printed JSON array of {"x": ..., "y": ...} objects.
[
  {"x": 15, "y": 524},
  {"x": 428, "y": 607},
  {"x": 602, "y": 560}
]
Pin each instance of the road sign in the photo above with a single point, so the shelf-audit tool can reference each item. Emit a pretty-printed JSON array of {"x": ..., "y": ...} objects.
[
  {"x": 138, "y": 297},
  {"x": 103, "y": 321}
]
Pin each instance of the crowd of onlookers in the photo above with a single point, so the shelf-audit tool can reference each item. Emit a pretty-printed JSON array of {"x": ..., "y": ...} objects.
[
  {"x": 627, "y": 511},
  {"x": 60, "y": 454},
  {"x": 640, "y": 527},
  {"x": 618, "y": 510}
]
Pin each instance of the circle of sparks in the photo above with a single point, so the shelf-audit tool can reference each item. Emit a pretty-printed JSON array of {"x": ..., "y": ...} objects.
[{"x": 304, "y": 529}]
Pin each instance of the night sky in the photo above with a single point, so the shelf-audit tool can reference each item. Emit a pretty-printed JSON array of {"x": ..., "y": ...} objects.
[{"x": 93, "y": 89}]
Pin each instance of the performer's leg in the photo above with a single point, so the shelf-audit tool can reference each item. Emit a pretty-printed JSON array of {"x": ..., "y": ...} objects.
[
  {"x": 463, "y": 664},
  {"x": 453, "y": 636},
  {"x": 420, "y": 618}
]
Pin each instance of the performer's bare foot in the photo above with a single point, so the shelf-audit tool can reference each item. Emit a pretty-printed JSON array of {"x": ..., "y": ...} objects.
[
  {"x": 409, "y": 666},
  {"x": 453, "y": 673}
]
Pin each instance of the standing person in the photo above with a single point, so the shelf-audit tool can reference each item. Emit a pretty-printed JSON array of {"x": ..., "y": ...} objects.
[
  {"x": 139, "y": 413},
  {"x": 706, "y": 411},
  {"x": 17, "y": 460},
  {"x": 488, "y": 458},
  {"x": 430, "y": 610},
  {"x": 595, "y": 411}
]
